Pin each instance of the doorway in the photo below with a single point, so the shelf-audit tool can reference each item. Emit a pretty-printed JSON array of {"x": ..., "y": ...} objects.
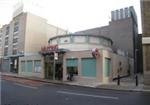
[
  {"x": 14, "y": 64},
  {"x": 58, "y": 72},
  {"x": 48, "y": 71}
]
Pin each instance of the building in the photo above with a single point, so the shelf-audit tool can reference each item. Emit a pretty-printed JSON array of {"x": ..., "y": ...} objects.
[
  {"x": 123, "y": 30},
  {"x": 145, "y": 11},
  {"x": 24, "y": 36},
  {"x": 0, "y": 49},
  {"x": 89, "y": 57}
]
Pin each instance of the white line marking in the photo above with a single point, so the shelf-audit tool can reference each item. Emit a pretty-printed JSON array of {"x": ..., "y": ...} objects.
[
  {"x": 87, "y": 95},
  {"x": 25, "y": 86}
]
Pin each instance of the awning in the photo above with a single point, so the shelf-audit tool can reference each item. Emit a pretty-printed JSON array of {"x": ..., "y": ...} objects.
[{"x": 51, "y": 52}]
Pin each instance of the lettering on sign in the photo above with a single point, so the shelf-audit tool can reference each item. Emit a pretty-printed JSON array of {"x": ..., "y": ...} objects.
[{"x": 49, "y": 48}]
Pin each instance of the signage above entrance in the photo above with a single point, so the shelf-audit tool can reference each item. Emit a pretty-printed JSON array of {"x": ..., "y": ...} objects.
[{"x": 49, "y": 48}]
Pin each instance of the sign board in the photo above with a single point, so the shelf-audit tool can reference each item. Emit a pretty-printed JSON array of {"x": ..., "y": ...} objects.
[{"x": 49, "y": 48}]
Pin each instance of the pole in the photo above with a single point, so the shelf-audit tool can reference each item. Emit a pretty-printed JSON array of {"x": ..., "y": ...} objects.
[
  {"x": 54, "y": 67},
  {"x": 136, "y": 78},
  {"x": 118, "y": 82}
]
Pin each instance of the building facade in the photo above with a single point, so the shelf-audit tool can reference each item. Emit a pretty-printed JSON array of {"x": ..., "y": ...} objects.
[
  {"x": 123, "y": 30},
  {"x": 24, "y": 36},
  {"x": 145, "y": 11},
  {"x": 89, "y": 58}
]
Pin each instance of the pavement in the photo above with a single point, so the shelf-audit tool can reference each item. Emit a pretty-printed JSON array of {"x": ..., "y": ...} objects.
[{"x": 126, "y": 84}]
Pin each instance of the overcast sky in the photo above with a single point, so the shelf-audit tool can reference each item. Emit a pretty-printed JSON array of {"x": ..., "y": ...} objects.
[{"x": 73, "y": 15}]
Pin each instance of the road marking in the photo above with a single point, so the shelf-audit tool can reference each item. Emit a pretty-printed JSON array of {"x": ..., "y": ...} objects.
[
  {"x": 25, "y": 86},
  {"x": 87, "y": 95}
]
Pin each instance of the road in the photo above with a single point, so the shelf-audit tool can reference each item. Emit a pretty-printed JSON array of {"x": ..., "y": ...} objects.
[{"x": 16, "y": 91}]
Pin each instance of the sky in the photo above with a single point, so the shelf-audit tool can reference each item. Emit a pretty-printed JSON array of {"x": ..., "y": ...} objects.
[{"x": 72, "y": 15}]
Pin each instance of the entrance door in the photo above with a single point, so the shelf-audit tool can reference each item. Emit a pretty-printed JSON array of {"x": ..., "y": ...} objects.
[
  {"x": 48, "y": 71},
  {"x": 14, "y": 65},
  {"x": 50, "y": 65},
  {"x": 59, "y": 72}
]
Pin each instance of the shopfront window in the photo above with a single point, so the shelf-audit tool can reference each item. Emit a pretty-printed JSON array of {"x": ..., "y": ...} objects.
[
  {"x": 37, "y": 66},
  {"x": 23, "y": 66},
  {"x": 72, "y": 66},
  {"x": 73, "y": 70},
  {"x": 88, "y": 67},
  {"x": 29, "y": 66}
]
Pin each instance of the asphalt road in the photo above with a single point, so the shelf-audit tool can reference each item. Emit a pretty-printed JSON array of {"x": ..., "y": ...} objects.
[{"x": 26, "y": 92}]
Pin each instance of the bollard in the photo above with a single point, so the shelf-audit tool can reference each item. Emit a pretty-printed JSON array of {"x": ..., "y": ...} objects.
[
  {"x": 118, "y": 82},
  {"x": 136, "y": 80}
]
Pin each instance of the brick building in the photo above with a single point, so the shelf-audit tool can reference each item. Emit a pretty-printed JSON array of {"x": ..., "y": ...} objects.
[{"x": 145, "y": 10}]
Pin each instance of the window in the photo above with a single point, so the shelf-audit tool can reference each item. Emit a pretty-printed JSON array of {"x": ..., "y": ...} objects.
[
  {"x": 16, "y": 29},
  {"x": 7, "y": 30},
  {"x": 23, "y": 66},
  {"x": 73, "y": 70},
  {"x": 15, "y": 34},
  {"x": 65, "y": 40},
  {"x": 6, "y": 41},
  {"x": 29, "y": 66},
  {"x": 80, "y": 39},
  {"x": 88, "y": 67},
  {"x": 37, "y": 66},
  {"x": 5, "y": 51},
  {"x": 15, "y": 40},
  {"x": 15, "y": 46},
  {"x": 14, "y": 51},
  {"x": 72, "y": 66},
  {"x": 16, "y": 26}
]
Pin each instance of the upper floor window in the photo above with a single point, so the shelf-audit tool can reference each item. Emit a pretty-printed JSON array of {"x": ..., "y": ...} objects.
[
  {"x": 16, "y": 26},
  {"x": 15, "y": 46},
  {"x": 6, "y": 41},
  {"x": 16, "y": 29},
  {"x": 15, "y": 40},
  {"x": 14, "y": 51},
  {"x": 6, "y": 51},
  {"x": 7, "y": 30},
  {"x": 15, "y": 34}
]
